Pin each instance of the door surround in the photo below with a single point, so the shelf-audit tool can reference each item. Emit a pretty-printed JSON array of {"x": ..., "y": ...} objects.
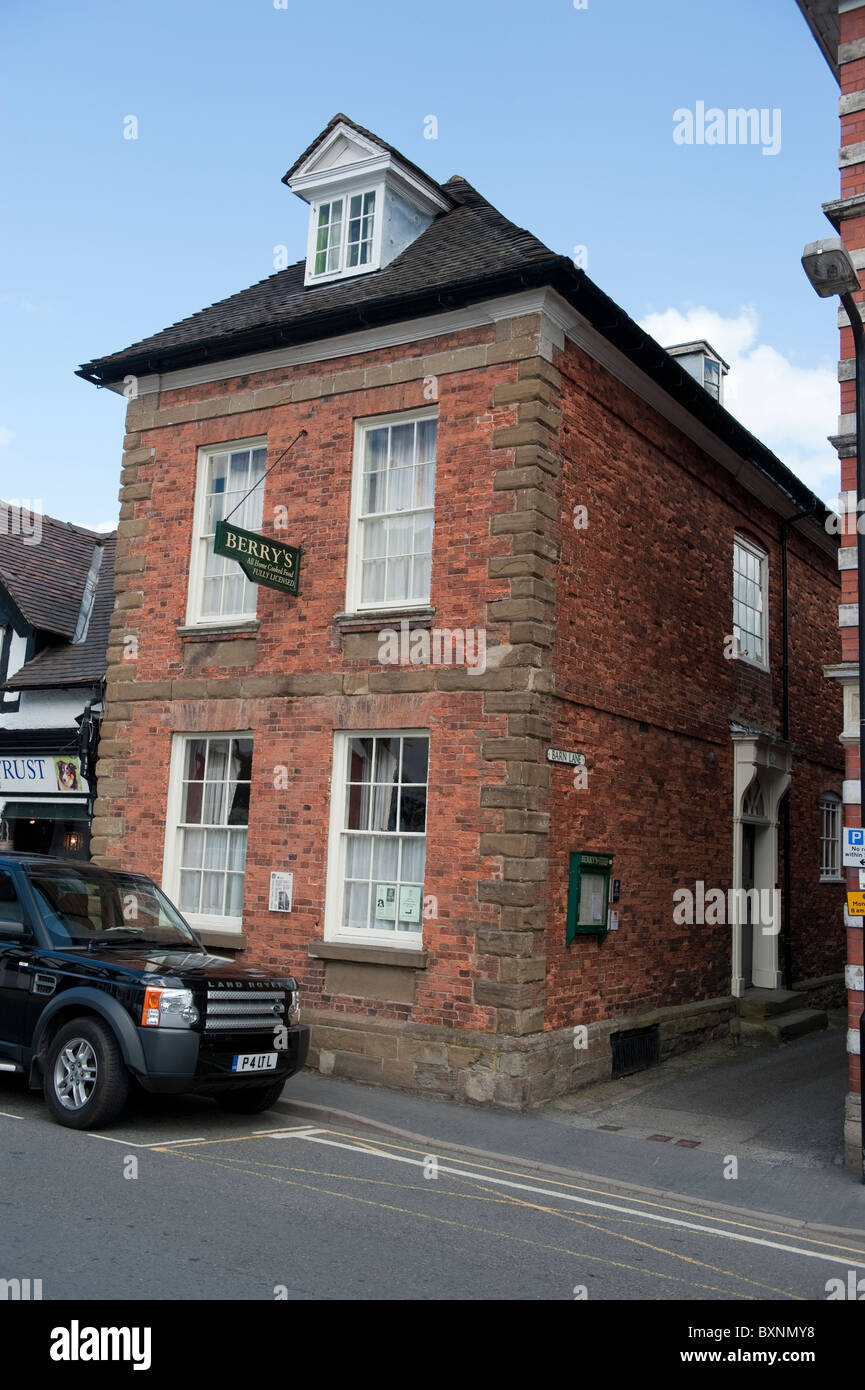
[{"x": 759, "y": 761}]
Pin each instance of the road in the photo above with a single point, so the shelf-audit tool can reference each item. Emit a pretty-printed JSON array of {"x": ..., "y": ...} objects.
[{"x": 181, "y": 1201}]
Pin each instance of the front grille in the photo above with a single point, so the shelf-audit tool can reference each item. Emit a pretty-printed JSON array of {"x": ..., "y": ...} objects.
[{"x": 244, "y": 1010}]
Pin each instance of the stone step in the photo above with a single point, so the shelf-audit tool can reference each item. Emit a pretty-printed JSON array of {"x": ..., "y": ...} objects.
[
  {"x": 766, "y": 1003},
  {"x": 783, "y": 1027}
]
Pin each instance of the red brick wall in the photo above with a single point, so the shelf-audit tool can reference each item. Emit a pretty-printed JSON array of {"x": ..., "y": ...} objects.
[
  {"x": 645, "y": 603},
  {"x": 645, "y": 606}
]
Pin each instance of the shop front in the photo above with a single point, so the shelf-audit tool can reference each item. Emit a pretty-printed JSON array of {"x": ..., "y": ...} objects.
[{"x": 44, "y": 805}]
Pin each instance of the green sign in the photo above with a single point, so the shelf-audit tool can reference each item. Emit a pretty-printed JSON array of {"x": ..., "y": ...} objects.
[{"x": 264, "y": 561}]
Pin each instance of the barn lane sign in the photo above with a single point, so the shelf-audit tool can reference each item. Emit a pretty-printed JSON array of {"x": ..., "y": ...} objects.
[{"x": 270, "y": 563}]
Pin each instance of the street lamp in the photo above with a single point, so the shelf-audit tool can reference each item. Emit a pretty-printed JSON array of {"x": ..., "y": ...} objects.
[{"x": 830, "y": 269}]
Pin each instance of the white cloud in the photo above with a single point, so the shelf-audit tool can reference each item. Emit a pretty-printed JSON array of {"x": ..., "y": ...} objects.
[
  {"x": 103, "y": 526},
  {"x": 789, "y": 408},
  {"x": 6, "y": 436}
]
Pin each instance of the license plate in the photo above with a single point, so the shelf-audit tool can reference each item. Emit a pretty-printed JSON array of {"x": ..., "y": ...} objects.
[{"x": 254, "y": 1061}]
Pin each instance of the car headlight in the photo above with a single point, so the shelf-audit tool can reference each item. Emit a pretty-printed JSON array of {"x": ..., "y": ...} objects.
[
  {"x": 168, "y": 1008},
  {"x": 293, "y": 1006}
]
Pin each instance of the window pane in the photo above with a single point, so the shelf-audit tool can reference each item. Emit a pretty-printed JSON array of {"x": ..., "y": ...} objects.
[
  {"x": 357, "y": 807},
  {"x": 415, "y": 759},
  {"x": 190, "y": 888},
  {"x": 192, "y": 798},
  {"x": 384, "y": 807},
  {"x": 427, "y": 430},
  {"x": 385, "y": 863},
  {"x": 216, "y": 849},
  {"x": 355, "y": 912},
  {"x": 193, "y": 848},
  {"x": 413, "y": 809},
  {"x": 212, "y": 893},
  {"x": 413, "y": 861},
  {"x": 402, "y": 445},
  {"x": 421, "y": 577},
  {"x": 214, "y": 803},
  {"x": 387, "y": 754},
  {"x": 196, "y": 758},
  {"x": 357, "y": 856},
  {"x": 217, "y": 759},
  {"x": 237, "y": 851},
  {"x": 397, "y": 580},
  {"x": 375, "y": 539},
  {"x": 234, "y": 895},
  {"x": 373, "y": 584},
  {"x": 360, "y": 760}
]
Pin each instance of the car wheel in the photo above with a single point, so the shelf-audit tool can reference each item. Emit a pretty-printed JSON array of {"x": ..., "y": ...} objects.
[
  {"x": 252, "y": 1100},
  {"x": 85, "y": 1080}
]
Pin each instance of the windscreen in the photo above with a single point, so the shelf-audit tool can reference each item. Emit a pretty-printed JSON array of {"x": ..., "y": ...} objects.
[{"x": 80, "y": 906}]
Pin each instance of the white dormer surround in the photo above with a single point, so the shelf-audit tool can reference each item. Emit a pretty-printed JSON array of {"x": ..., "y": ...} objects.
[{"x": 366, "y": 205}]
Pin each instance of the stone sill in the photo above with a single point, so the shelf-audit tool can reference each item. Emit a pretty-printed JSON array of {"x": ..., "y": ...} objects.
[
  {"x": 372, "y": 622},
  {"x": 232, "y": 940},
  {"x": 216, "y": 633},
  {"x": 368, "y": 955}
]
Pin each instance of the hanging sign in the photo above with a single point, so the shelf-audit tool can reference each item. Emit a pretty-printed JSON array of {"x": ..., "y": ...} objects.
[
  {"x": 856, "y": 904},
  {"x": 270, "y": 563}
]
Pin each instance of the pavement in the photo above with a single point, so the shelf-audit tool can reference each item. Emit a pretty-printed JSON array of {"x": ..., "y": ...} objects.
[{"x": 754, "y": 1129}]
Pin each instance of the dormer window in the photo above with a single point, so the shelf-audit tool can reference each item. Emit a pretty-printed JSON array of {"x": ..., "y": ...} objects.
[
  {"x": 344, "y": 243},
  {"x": 704, "y": 364},
  {"x": 367, "y": 204}
]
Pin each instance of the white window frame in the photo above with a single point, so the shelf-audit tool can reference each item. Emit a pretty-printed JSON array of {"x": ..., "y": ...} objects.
[
  {"x": 353, "y": 593},
  {"x": 763, "y": 557},
  {"x": 335, "y": 884},
  {"x": 826, "y": 800},
  {"x": 346, "y": 194},
  {"x": 171, "y": 852},
  {"x": 195, "y": 589}
]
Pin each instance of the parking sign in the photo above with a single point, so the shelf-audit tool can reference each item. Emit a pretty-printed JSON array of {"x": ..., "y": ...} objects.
[{"x": 854, "y": 848}]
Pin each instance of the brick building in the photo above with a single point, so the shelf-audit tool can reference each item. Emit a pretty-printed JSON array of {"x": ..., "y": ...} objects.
[
  {"x": 839, "y": 28},
  {"x": 510, "y": 738}
]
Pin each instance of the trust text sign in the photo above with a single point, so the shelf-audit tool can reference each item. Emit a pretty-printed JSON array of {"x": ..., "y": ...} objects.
[
  {"x": 54, "y": 774},
  {"x": 271, "y": 563}
]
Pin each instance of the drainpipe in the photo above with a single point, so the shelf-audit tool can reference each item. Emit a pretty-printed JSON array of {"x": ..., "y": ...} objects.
[{"x": 786, "y": 934}]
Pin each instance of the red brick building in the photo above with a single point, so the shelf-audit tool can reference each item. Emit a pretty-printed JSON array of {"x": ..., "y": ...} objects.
[
  {"x": 839, "y": 28},
  {"x": 510, "y": 739}
]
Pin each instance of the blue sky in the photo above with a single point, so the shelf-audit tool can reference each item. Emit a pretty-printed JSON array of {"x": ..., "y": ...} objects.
[{"x": 562, "y": 117}]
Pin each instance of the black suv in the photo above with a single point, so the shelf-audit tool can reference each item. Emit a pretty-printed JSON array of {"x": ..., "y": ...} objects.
[{"x": 102, "y": 980}]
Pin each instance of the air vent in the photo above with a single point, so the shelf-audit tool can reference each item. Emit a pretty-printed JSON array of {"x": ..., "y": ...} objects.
[{"x": 634, "y": 1050}]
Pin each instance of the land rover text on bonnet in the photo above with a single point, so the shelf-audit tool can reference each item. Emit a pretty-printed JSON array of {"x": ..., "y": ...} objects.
[{"x": 101, "y": 980}]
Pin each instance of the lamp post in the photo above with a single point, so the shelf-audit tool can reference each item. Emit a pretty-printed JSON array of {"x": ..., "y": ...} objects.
[{"x": 830, "y": 269}]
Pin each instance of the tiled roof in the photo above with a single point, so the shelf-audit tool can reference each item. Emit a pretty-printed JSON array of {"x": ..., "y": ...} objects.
[
  {"x": 471, "y": 242},
  {"x": 81, "y": 663},
  {"x": 468, "y": 254},
  {"x": 46, "y": 580}
]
